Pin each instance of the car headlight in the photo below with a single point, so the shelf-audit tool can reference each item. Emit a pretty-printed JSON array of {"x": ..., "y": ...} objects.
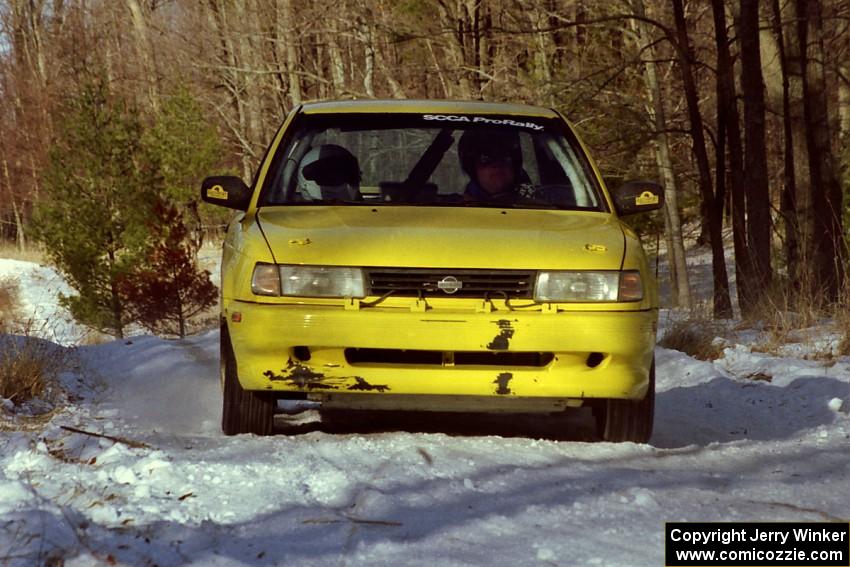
[
  {"x": 307, "y": 281},
  {"x": 586, "y": 287}
]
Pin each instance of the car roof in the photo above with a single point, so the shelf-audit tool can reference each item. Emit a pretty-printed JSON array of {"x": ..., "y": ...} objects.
[{"x": 413, "y": 106}]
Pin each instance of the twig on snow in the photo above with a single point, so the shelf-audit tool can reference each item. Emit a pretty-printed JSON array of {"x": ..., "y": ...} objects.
[{"x": 128, "y": 442}]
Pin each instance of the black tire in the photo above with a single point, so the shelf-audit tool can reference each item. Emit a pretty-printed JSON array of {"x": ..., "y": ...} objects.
[
  {"x": 243, "y": 411},
  {"x": 619, "y": 421}
]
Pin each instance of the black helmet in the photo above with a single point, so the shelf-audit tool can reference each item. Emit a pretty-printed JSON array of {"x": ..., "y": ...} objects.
[
  {"x": 330, "y": 164},
  {"x": 492, "y": 143}
]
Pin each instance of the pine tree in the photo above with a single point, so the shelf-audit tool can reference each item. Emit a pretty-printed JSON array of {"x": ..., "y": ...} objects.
[
  {"x": 165, "y": 290},
  {"x": 114, "y": 222},
  {"x": 96, "y": 199},
  {"x": 183, "y": 146}
]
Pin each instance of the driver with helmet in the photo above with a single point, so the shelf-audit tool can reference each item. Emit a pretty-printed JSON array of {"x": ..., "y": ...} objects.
[{"x": 493, "y": 161}]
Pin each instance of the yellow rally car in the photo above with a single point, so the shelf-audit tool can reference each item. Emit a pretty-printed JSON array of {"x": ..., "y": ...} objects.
[{"x": 434, "y": 256}]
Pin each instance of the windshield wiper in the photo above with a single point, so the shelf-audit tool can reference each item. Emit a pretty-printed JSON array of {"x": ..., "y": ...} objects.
[
  {"x": 326, "y": 202},
  {"x": 534, "y": 205},
  {"x": 436, "y": 204},
  {"x": 509, "y": 205},
  {"x": 531, "y": 204}
]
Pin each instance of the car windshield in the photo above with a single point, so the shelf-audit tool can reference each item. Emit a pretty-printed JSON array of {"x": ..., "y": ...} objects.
[{"x": 431, "y": 160}]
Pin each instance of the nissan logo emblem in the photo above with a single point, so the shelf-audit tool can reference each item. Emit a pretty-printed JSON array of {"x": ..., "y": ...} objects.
[{"x": 450, "y": 284}]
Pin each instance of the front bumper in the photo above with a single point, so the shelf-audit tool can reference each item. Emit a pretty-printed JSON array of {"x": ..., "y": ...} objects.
[{"x": 308, "y": 349}]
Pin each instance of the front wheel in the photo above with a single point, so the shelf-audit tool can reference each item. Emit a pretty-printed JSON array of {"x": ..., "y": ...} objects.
[
  {"x": 243, "y": 411},
  {"x": 618, "y": 421}
]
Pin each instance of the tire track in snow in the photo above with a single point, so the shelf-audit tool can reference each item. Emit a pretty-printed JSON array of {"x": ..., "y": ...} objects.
[{"x": 160, "y": 386}]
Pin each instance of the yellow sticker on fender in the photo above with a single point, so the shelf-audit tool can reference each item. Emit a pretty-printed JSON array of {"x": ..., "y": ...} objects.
[
  {"x": 217, "y": 192},
  {"x": 646, "y": 198},
  {"x": 595, "y": 247}
]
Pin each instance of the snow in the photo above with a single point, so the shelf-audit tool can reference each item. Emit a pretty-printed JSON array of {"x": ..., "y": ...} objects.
[
  {"x": 751, "y": 436},
  {"x": 39, "y": 288}
]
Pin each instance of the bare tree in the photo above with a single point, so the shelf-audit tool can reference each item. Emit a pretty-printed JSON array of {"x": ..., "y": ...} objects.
[
  {"x": 755, "y": 151},
  {"x": 730, "y": 149},
  {"x": 233, "y": 78},
  {"x": 27, "y": 106},
  {"x": 828, "y": 252},
  {"x": 466, "y": 23},
  {"x": 788, "y": 203},
  {"x": 672, "y": 221},
  {"x": 713, "y": 207},
  {"x": 140, "y": 18},
  {"x": 795, "y": 52},
  {"x": 288, "y": 28}
]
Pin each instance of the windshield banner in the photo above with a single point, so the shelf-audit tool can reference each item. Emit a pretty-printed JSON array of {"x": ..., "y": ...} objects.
[{"x": 481, "y": 120}]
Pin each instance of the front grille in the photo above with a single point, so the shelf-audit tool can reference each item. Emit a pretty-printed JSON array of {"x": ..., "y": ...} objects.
[
  {"x": 495, "y": 284},
  {"x": 367, "y": 356}
]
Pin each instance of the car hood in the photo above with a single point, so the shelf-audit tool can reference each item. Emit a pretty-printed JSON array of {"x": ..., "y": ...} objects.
[{"x": 443, "y": 237}]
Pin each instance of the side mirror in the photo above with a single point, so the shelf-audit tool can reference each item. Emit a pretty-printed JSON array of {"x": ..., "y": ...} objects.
[
  {"x": 638, "y": 197},
  {"x": 226, "y": 191}
]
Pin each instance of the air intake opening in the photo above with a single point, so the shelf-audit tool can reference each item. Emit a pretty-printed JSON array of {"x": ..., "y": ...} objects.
[
  {"x": 594, "y": 359},
  {"x": 439, "y": 358},
  {"x": 302, "y": 353}
]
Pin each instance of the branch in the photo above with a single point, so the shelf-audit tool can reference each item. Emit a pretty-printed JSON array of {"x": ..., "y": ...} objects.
[{"x": 128, "y": 442}]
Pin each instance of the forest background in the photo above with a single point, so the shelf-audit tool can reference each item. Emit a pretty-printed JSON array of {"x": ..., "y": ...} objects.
[{"x": 741, "y": 108}]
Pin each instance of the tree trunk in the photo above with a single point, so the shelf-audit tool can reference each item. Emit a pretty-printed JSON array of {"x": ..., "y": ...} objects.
[
  {"x": 336, "y": 61},
  {"x": 485, "y": 45},
  {"x": 181, "y": 316},
  {"x": 543, "y": 51},
  {"x": 145, "y": 50},
  {"x": 447, "y": 92},
  {"x": 20, "y": 235},
  {"x": 675, "y": 244},
  {"x": 287, "y": 22},
  {"x": 828, "y": 253},
  {"x": 278, "y": 55},
  {"x": 116, "y": 304},
  {"x": 476, "y": 52},
  {"x": 454, "y": 23},
  {"x": 560, "y": 37},
  {"x": 794, "y": 55},
  {"x": 233, "y": 83},
  {"x": 395, "y": 87},
  {"x": 244, "y": 51},
  {"x": 755, "y": 151},
  {"x": 844, "y": 102},
  {"x": 364, "y": 34},
  {"x": 35, "y": 171},
  {"x": 728, "y": 121},
  {"x": 722, "y": 302},
  {"x": 27, "y": 28},
  {"x": 788, "y": 203}
]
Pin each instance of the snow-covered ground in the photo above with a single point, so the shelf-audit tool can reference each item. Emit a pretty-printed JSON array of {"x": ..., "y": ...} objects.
[
  {"x": 134, "y": 470},
  {"x": 39, "y": 288}
]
